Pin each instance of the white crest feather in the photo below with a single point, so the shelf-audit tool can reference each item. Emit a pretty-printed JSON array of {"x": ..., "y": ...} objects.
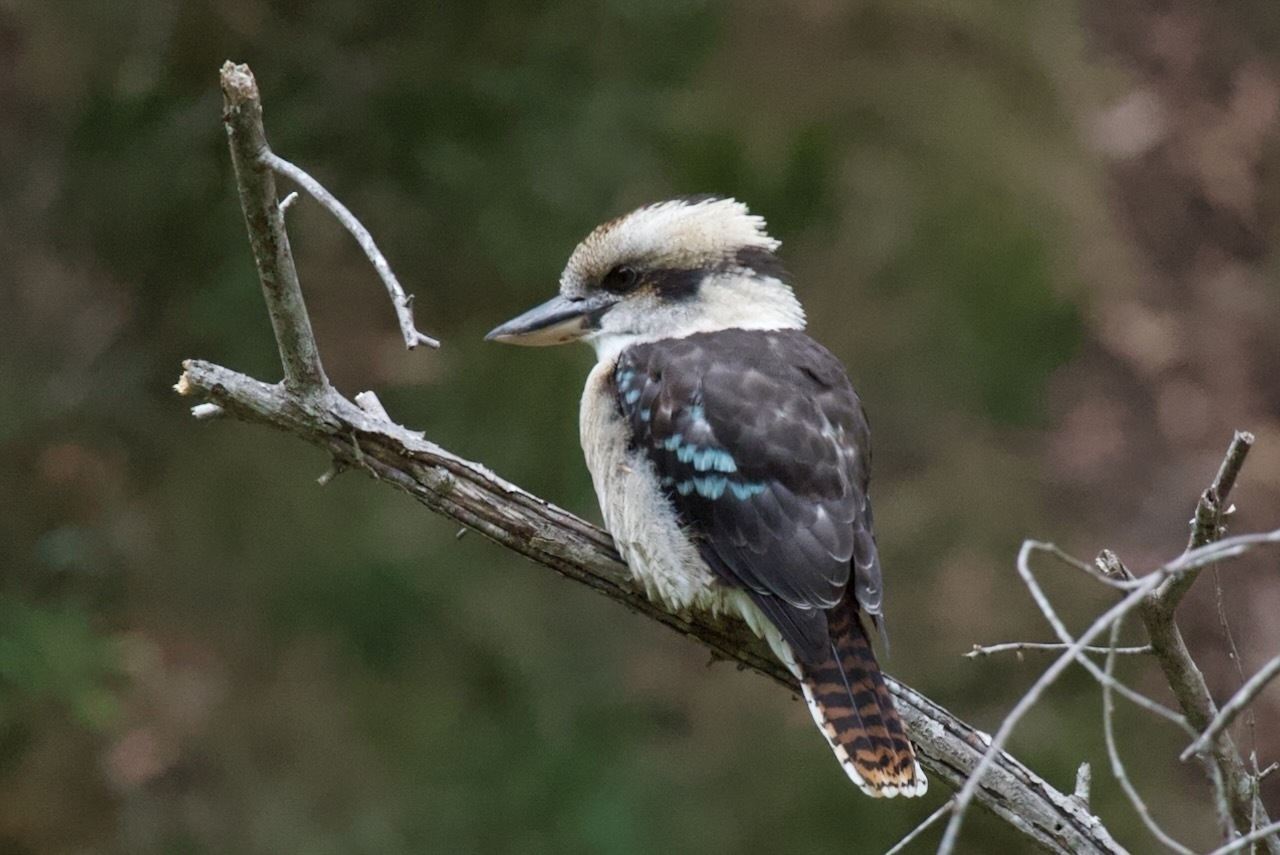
[{"x": 678, "y": 232}]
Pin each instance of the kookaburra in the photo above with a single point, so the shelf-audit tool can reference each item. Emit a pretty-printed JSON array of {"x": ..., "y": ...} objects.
[{"x": 731, "y": 455}]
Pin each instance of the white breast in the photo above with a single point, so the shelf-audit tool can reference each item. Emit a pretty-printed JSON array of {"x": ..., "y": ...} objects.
[
  {"x": 636, "y": 512},
  {"x": 644, "y": 525}
]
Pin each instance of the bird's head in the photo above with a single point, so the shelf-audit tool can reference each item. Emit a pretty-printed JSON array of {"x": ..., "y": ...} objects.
[{"x": 664, "y": 271}]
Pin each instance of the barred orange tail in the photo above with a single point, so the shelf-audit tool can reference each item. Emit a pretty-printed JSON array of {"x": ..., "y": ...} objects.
[{"x": 853, "y": 708}]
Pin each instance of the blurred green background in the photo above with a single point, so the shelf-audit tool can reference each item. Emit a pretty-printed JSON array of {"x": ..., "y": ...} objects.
[{"x": 1040, "y": 235}]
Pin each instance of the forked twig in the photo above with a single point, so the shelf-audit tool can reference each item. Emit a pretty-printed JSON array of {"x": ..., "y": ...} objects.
[
  {"x": 1118, "y": 770},
  {"x": 403, "y": 303}
]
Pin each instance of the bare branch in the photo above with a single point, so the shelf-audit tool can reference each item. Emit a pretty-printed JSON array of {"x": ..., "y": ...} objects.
[
  {"x": 1117, "y": 765},
  {"x": 242, "y": 118},
  {"x": 1031, "y": 698},
  {"x": 403, "y": 304},
  {"x": 1266, "y": 832},
  {"x": 1114, "y": 578},
  {"x": 1239, "y": 793},
  {"x": 1020, "y": 647},
  {"x": 1220, "y": 489},
  {"x": 1236, "y": 790},
  {"x": 1223, "y": 764},
  {"x": 1207, "y": 522},
  {"x": 1212, "y": 553},
  {"x": 1232, "y": 708},
  {"x": 369, "y": 402}
]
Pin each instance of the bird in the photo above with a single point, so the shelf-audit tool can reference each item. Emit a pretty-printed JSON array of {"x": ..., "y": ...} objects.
[{"x": 731, "y": 455}]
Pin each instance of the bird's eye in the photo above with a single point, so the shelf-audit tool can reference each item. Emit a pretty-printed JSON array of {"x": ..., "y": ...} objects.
[{"x": 620, "y": 279}]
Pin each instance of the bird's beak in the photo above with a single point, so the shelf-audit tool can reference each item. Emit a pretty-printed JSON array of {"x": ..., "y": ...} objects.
[{"x": 556, "y": 321}]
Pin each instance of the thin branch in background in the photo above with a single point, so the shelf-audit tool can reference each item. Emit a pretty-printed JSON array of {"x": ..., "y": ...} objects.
[
  {"x": 1022, "y": 646},
  {"x": 1139, "y": 593},
  {"x": 1207, "y": 522},
  {"x": 901, "y": 845},
  {"x": 403, "y": 303},
  {"x": 1118, "y": 770},
  {"x": 1239, "y": 703},
  {"x": 1235, "y": 787},
  {"x": 1224, "y": 624},
  {"x": 1032, "y": 697},
  {"x": 1060, "y": 628},
  {"x": 1212, "y": 553},
  {"x": 1266, "y": 832}
]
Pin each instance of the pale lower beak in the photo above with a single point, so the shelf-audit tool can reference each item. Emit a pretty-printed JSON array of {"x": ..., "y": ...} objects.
[{"x": 556, "y": 321}]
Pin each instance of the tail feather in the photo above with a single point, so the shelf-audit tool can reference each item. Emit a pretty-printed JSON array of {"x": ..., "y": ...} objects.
[{"x": 852, "y": 706}]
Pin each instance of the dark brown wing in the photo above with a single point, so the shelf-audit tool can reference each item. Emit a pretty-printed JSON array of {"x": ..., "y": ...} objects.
[{"x": 762, "y": 447}]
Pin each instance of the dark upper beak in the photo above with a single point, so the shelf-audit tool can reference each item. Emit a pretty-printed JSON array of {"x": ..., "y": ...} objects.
[{"x": 556, "y": 321}]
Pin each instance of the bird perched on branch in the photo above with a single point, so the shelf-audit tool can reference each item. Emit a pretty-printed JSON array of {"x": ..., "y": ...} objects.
[{"x": 731, "y": 455}]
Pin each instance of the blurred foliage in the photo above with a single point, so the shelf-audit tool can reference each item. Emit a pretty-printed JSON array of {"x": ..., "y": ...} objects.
[
  {"x": 200, "y": 651},
  {"x": 49, "y": 654}
]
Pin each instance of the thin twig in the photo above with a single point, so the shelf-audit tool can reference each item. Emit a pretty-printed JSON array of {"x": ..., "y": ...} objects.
[
  {"x": 1060, "y": 628},
  {"x": 1232, "y": 708},
  {"x": 1021, "y": 646},
  {"x": 1031, "y": 698},
  {"x": 1212, "y": 553},
  {"x": 1266, "y": 832},
  {"x": 1139, "y": 592},
  {"x": 1206, "y": 523},
  {"x": 1117, "y": 765},
  {"x": 403, "y": 304},
  {"x": 1250, "y": 720},
  {"x": 901, "y": 845},
  {"x": 368, "y": 401}
]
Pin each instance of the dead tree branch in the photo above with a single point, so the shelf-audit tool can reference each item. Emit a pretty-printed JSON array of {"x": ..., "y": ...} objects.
[
  {"x": 1222, "y": 761},
  {"x": 1155, "y": 597},
  {"x": 403, "y": 303},
  {"x": 362, "y": 438},
  {"x": 1138, "y": 593},
  {"x": 242, "y": 117}
]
